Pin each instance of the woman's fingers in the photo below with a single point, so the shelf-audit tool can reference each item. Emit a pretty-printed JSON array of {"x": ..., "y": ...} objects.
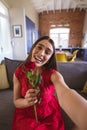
[
  {"x": 30, "y": 93},
  {"x": 31, "y": 101},
  {"x": 31, "y": 97}
]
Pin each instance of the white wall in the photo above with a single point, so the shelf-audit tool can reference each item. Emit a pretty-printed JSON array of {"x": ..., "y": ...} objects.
[
  {"x": 18, "y": 10},
  {"x": 28, "y": 6},
  {"x": 17, "y": 16}
]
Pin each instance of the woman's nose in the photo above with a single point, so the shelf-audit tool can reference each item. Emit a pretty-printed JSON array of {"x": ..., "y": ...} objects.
[{"x": 42, "y": 52}]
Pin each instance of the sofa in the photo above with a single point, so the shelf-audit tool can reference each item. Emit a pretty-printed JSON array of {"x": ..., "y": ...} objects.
[{"x": 74, "y": 73}]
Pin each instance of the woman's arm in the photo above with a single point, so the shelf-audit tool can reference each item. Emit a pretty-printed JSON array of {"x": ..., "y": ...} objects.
[
  {"x": 71, "y": 102},
  {"x": 22, "y": 102}
]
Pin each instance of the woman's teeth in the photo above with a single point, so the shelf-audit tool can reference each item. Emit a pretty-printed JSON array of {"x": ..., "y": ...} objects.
[{"x": 38, "y": 59}]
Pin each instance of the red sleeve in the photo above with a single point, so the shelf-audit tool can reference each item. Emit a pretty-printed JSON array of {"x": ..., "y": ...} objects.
[{"x": 19, "y": 73}]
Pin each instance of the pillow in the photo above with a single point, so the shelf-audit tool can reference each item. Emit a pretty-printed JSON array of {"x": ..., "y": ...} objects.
[
  {"x": 11, "y": 65},
  {"x": 3, "y": 77},
  {"x": 74, "y": 73},
  {"x": 85, "y": 88}
]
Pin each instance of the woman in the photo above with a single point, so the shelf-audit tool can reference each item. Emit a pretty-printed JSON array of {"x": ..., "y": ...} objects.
[{"x": 44, "y": 115}]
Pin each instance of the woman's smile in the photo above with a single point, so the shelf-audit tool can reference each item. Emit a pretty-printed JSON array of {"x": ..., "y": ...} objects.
[{"x": 38, "y": 59}]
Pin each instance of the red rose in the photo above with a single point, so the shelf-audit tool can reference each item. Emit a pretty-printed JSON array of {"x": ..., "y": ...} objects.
[{"x": 29, "y": 65}]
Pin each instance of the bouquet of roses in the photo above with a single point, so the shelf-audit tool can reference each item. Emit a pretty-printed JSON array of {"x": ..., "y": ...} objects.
[{"x": 34, "y": 80}]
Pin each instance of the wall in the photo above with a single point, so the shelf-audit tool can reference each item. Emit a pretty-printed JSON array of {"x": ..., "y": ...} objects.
[
  {"x": 84, "y": 44},
  {"x": 74, "y": 18},
  {"x": 85, "y": 24},
  {"x": 18, "y": 10},
  {"x": 19, "y": 44},
  {"x": 29, "y": 9}
]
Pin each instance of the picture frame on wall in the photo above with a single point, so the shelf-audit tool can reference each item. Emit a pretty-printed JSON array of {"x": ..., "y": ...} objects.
[{"x": 17, "y": 31}]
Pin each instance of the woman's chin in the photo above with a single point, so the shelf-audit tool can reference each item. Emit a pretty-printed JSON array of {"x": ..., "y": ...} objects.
[{"x": 38, "y": 64}]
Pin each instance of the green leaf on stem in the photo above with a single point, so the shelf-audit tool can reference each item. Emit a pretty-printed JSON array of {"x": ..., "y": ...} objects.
[{"x": 35, "y": 81}]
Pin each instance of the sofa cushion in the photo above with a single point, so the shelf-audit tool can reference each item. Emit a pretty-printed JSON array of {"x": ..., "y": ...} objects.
[
  {"x": 11, "y": 65},
  {"x": 74, "y": 73},
  {"x": 3, "y": 77},
  {"x": 6, "y": 109},
  {"x": 84, "y": 90}
]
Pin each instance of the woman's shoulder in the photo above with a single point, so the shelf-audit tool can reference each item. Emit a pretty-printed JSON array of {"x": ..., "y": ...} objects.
[
  {"x": 18, "y": 71},
  {"x": 55, "y": 75}
]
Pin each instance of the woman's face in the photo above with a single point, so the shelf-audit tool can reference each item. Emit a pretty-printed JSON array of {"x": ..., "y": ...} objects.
[{"x": 41, "y": 53}]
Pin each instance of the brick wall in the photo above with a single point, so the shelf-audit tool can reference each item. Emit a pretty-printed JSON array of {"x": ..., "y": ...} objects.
[{"x": 75, "y": 19}]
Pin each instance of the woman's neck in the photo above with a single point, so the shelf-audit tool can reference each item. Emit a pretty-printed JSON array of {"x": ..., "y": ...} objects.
[{"x": 38, "y": 70}]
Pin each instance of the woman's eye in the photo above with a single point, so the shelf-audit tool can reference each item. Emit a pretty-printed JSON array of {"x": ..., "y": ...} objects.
[
  {"x": 48, "y": 52},
  {"x": 38, "y": 47}
]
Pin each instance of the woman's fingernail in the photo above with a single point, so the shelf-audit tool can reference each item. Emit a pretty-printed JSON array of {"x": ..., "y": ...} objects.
[{"x": 36, "y": 101}]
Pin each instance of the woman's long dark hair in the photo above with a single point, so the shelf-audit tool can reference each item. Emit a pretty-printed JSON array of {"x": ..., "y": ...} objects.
[{"x": 51, "y": 64}]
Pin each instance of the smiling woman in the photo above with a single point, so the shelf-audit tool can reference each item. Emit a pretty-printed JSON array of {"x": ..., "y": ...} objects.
[
  {"x": 44, "y": 114},
  {"x": 28, "y": 109}
]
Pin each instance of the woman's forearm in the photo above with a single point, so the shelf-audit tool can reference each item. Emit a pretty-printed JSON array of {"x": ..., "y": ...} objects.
[
  {"x": 71, "y": 102},
  {"x": 74, "y": 105},
  {"x": 21, "y": 103}
]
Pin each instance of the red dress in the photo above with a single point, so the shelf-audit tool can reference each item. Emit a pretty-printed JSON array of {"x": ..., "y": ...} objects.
[{"x": 48, "y": 110}]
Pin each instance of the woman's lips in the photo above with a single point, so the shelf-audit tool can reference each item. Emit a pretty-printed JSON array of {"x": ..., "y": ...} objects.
[{"x": 38, "y": 59}]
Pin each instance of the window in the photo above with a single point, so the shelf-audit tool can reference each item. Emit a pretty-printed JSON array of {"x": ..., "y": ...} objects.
[
  {"x": 60, "y": 37},
  {"x": 5, "y": 40}
]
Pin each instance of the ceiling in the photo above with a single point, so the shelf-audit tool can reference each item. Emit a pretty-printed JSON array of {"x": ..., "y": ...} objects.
[{"x": 46, "y": 5}]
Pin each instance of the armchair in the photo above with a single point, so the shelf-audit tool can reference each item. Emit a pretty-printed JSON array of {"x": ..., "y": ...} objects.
[
  {"x": 64, "y": 57},
  {"x": 61, "y": 57}
]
